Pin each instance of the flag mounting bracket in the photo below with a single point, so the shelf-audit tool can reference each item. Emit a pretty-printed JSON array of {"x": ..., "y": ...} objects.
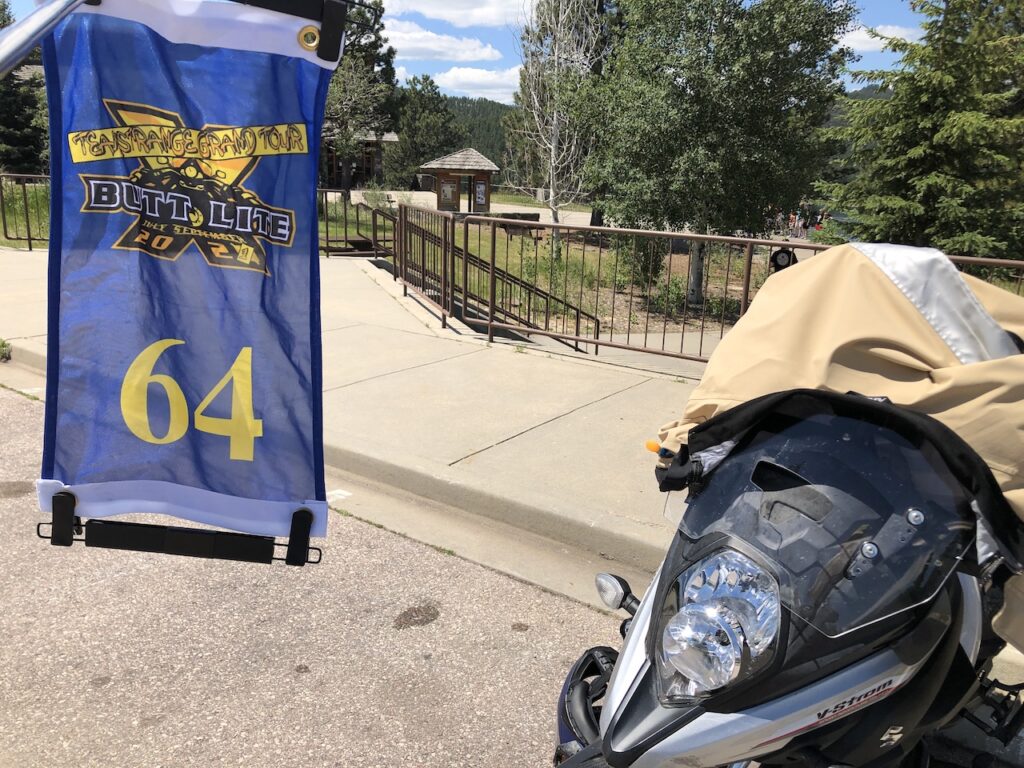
[
  {"x": 333, "y": 16},
  {"x": 67, "y": 528}
]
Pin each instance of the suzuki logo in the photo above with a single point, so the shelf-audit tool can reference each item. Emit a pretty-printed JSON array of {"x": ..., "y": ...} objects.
[{"x": 892, "y": 737}]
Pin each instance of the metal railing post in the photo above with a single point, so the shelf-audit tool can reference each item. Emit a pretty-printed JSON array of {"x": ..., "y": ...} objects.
[
  {"x": 397, "y": 250},
  {"x": 493, "y": 289},
  {"x": 453, "y": 282},
  {"x": 405, "y": 251},
  {"x": 28, "y": 220},
  {"x": 3, "y": 210},
  {"x": 444, "y": 271},
  {"x": 324, "y": 237},
  {"x": 748, "y": 267},
  {"x": 465, "y": 269}
]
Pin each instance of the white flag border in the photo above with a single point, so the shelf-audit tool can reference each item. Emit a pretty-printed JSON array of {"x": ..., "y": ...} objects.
[
  {"x": 156, "y": 497},
  {"x": 217, "y": 24}
]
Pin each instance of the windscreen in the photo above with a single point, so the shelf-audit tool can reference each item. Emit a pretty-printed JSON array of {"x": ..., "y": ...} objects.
[{"x": 861, "y": 524}]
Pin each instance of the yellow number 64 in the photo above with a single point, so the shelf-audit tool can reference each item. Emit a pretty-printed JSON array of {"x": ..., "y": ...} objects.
[{"x": 241, "y": 429}]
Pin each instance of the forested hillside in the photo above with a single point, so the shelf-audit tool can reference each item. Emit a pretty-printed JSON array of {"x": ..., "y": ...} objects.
[{"x": 481, "y": 119}]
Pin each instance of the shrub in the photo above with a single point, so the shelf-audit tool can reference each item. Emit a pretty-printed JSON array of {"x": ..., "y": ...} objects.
[
  {"x": 5, "y": 350},
  {"x": 669, "y": 299},
  {"x": 831, "y": 233},
  {"x": 376, "y": 198},
  {"x": 714, "y": 306},
  {"x": 640, "y": 262}
]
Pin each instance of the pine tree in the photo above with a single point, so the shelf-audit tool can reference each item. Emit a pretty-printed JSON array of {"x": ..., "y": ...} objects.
[
  {"x": 939, "y": 162},
  {"x": 21, "y": 139},
  {"x": 427, "y": 130},
  {"x": 481, "y": 120},
  {"x": 367, "y": 44}
]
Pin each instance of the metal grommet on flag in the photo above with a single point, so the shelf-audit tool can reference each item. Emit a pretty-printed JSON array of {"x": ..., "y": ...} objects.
[{"x": 309, "y": 38}]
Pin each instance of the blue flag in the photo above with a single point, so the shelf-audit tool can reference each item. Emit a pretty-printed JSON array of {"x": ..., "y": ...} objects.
[{"x": 184, "y": 338}]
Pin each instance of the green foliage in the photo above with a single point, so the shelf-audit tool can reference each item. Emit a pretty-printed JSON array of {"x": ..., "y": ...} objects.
[
  {"x": 719, "y": 308},
  {"x": 427, "y": 130},
  {"x": 670, "y": 299},
  {"x": 5, "y": 351},
  {"x": 641, "y": 263},
  {"x": 376, "y": 197},
  {"x": 831, "y": 233},
  {"x": 709, "y": 111},
  {"x": 482, "y": 122},
  {"x": 939, "y": 162},
  {"x": 563, "y": 45},
  {"x": 366, "y": 44},
  {"x": 356, "y": 104},
  {"x": 22, "y": 139},
  {"x": 522, "y": 164},
  {"x": 19, "y": 226}
]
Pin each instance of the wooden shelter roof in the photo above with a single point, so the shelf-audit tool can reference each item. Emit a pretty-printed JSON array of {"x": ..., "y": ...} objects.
[{"x": 463, "y": 160}]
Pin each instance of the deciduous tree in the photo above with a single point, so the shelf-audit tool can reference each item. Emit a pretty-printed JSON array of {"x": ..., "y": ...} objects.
[
  {"x": 562, "y": 43},
  {"x": 356, "y": 108},
  {"x": 709, "y": 112}
]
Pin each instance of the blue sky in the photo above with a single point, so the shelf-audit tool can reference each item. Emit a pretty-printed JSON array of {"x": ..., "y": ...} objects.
[{"x": 469, "y": 46}]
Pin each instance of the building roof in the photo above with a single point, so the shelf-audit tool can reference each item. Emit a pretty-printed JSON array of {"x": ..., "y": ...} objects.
[
  {"x": 384, "y": 138},
  {"x": 28, "y": 71},
  {"x": 463, "y": 160}
]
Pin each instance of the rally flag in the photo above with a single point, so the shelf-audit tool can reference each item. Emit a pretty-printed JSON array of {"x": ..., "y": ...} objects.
[{"x": 184, "y": 333}]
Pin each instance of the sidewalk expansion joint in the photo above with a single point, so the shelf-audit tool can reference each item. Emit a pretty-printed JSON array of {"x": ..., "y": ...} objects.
[
  {"x": 403, "y": 370},
  {"x": 550, "y": 421}
]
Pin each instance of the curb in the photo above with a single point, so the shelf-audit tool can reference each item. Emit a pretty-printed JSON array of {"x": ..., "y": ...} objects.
[
  {"x": 531, "y": 515},
  {"x": 545, "y": 517},
  {"x": 28, "y": 358}
]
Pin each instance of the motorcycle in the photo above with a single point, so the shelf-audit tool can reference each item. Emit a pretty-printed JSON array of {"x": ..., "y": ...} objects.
[{"x": 827, "y": 599}]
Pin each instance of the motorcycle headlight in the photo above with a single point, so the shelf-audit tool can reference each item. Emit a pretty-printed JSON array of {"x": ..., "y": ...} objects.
[{"x": 724, "y": 629}]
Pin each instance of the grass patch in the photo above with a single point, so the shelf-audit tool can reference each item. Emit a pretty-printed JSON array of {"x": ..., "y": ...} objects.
[
  {"x": 26, "y": 211},
  {"x": 26, "y": 395}
]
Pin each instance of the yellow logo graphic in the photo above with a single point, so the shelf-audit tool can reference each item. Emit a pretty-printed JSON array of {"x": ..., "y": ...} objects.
[{"x": 188, "y": 187}]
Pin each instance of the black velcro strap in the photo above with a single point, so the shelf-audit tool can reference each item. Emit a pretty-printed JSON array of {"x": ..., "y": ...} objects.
[
  {"x": 332, "y": 30},
  {"x": 677, "y": 475}
]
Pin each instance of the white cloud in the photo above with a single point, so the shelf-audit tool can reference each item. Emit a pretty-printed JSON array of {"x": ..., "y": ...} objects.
[
  {"x": 463, "y": 13},
  {"x": 413, "y": 42},
  {"x": 497, "y": 84},
  {"x": 860, "y": 41},
  {"x": 401, "y": 75}
]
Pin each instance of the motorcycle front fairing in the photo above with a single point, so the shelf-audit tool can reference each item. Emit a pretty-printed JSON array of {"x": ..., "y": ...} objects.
[{"x": 861, "y": 522}]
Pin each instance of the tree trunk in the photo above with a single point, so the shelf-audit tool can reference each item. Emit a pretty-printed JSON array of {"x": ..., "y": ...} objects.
[
  {"x": 556, "y": 236},
  {"x": 695, "y": 287}
]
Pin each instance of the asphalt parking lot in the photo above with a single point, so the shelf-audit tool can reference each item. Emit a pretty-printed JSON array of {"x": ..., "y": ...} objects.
[{"x": 390, "y": 652}]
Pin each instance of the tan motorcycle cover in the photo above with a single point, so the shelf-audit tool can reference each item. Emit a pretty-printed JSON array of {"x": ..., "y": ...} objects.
[
  {"x": 839, "y": 322},
  {"x": 888, "y": 321}
]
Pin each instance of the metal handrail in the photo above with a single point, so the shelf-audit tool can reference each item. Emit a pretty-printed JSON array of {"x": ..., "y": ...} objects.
[
  {"x": 18, "y": 40},
  {"x": 674, "y": 235}
]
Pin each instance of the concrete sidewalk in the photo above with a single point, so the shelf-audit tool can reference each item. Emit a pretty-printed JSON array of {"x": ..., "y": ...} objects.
[{"x": 516, "y": 432}]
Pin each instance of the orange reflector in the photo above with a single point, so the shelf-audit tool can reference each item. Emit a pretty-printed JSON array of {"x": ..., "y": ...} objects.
[{"x": 653, "y": 446}]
